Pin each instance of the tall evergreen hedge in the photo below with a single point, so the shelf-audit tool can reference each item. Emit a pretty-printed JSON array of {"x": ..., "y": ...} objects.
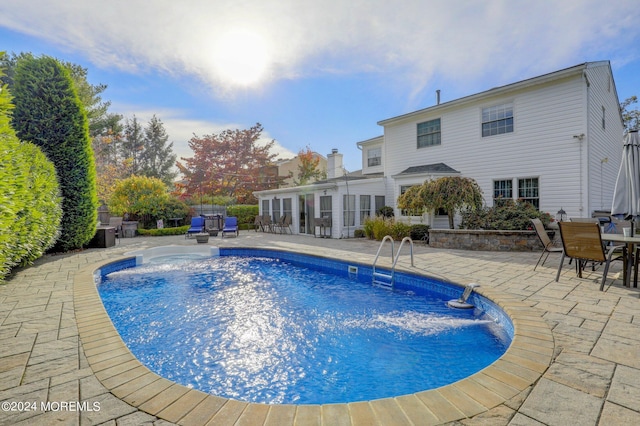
[
  {"x": 49, "y": 113},
  {"x": 30, "y": 211}
]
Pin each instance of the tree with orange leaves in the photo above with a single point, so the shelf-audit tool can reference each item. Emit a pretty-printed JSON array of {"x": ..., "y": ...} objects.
[
  {"x": 308, "y": 168},
  {"x": 230, "y": 163}
]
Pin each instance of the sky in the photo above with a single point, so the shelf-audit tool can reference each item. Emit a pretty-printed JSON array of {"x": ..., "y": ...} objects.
[{"x": 317, "y": 74}]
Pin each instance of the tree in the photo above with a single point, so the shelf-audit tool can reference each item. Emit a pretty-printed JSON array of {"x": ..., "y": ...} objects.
[
  {"x": 97, "y": 111},
  {"x": 146, "y": 199},
  {"x": 630, "y": 118},
  {"x": 157, "y": 158},
  {"x": 29, "y": 195},
  {"x": 229, "y": 163},
  {"x": 308, "y": 170},
  {"x": 132, "y": 144},
  {"x": 49, "y": 113},
  {"x": 450, "y": 193}
]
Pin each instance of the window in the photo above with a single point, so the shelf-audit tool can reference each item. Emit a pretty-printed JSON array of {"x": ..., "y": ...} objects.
[
  {"x": 286, "y": 207},
  {"x": 379, "y": 202},
  {"x": 502, "y": 189},
  {"x": 429, "y": 133},
  {"x": 325, "y": 206},
  {"x": 603, "y": 116},
  {"x": 275, "y": 209},
  {"x": 365, "y": 207},
  {"x": 265, "y": 207},
  {"x": 497, "y": 120},
  {"x": 349, "y": 210},
  {"x": 529, "y": 191},
  {"x": 374, "y": 157}
]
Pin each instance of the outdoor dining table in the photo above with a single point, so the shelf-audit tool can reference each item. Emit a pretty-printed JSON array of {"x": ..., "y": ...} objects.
[{"x": 630, "y": 242}]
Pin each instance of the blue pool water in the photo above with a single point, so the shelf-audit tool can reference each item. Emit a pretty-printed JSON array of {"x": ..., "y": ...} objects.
[{"x": 260, "y": 329}]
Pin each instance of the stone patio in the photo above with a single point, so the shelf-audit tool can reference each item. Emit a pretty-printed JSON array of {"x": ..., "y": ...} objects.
[{"x": 575, "y": 359}]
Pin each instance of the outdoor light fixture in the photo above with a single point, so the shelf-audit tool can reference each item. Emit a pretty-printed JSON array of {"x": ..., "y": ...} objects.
[{"x": 561, "y": 216}]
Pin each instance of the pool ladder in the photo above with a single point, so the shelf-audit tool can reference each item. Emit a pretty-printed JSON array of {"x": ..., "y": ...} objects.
[{"x": 386, "y": 279}]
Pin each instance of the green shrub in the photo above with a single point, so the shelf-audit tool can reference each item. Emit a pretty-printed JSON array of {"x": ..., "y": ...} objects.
[
  {"x": 385, "y": 212},
  {"x": 48, "y": 113},
  {"x": 359, "y": 233},
  {"x": 246, "y": 214},
  {"x": 419, "y": 232},
  {"x": 505, "y": 215},
  {"x": 145, "y": 199},
  {"x": 180, "y": 230},
  {"x": 378, "y": 227},
  {"x": 399, "y": 230},
  {"x": 30, "y": 211}
]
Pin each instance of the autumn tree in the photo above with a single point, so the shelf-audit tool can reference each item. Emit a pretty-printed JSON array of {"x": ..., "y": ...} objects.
[
  {"x": 451, "y": 193},
  {"x": 229, "y": 163},
  {"x": 308, "y": 168}
]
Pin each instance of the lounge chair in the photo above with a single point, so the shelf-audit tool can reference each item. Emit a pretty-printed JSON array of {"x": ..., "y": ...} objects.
[
  {"x": 230, "y": 226},
  {"x": 548, "y": 246},
  {"x": 582, "y": 241},
  {"x": 197, "y": 226}
]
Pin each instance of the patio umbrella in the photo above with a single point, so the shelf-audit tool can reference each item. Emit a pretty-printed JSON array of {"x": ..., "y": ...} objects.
[{"x": 626, "y": 195}]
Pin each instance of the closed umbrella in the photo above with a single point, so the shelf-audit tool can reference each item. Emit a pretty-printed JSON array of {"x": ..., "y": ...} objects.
[{"x": 626, "y": 195}]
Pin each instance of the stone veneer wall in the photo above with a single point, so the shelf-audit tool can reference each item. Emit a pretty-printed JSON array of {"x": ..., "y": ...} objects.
[{"x": 480, "y": 239}]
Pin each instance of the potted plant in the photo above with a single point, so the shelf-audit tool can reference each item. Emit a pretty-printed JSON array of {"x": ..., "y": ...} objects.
[{"x": 202, "y": 237}]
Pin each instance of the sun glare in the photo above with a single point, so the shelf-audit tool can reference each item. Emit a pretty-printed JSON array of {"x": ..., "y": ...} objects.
[{"x": 241, "y": 57}]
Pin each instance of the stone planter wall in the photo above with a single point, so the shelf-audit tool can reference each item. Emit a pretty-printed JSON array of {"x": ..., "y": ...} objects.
[{"x": 465, "y": 239}]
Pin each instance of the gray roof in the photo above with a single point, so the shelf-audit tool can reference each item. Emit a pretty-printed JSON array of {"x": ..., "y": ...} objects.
[
  {"x": 428, "y": 168},
  {"x": 356, "y": 175}
]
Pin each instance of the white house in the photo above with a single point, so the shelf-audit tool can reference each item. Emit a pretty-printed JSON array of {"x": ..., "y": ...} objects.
[{"x": 554, "y": 140}]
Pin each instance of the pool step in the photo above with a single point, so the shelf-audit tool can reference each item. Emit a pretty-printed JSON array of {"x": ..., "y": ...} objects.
[{"x": 383, "y": 279}]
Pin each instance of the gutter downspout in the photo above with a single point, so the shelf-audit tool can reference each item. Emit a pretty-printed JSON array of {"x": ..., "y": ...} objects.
[{"x": 586, "y": 134}]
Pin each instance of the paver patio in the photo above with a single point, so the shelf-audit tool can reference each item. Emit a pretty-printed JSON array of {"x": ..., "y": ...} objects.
[{"x": 56, "y": 347}]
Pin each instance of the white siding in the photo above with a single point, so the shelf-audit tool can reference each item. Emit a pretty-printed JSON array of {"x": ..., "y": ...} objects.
[
  {"x": 546, "y": 117},
  {"x": 557, "y": 138},
  {"x": 602, "y": 143}
]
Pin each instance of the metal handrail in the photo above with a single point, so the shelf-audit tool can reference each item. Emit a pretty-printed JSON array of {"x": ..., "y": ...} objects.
[
  {"x": 397, "y": 256},
  {"x": 393, "y": 267},
  {"x": 386, "y": 237}
]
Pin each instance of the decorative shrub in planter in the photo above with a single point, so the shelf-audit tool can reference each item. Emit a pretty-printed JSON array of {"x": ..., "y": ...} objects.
[{"x": 202, "y": 238}]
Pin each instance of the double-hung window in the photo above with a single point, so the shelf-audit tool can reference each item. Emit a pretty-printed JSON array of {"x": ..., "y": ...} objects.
[
  {"x": 374, "y": 157},
  {"x": 529, "y": 191},
  {"x": 349, "y": 210},
  {"x": 502, "y": 190},
  {"x": 429, "y": 133},
  {"x": 365, "y": 208},
  {"x": 497, "y": 120}
]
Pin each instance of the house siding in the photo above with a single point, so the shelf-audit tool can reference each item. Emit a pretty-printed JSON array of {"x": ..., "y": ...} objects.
[
  {"x": 602, "y": 142},
  {"x": 557, "y": 138},
  {"x": 546, "y": 117}
]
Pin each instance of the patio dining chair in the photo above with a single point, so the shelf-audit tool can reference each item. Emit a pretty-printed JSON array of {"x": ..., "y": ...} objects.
[
  {"x": 582, "y": 241},
  {"x": 548, "y": 246},
  {"x": 283, "y": 224}
]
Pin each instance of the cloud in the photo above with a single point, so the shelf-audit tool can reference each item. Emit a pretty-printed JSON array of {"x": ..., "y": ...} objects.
[
  {"x": 410, "y": 42},
  {"x": 181, "y": 129}
]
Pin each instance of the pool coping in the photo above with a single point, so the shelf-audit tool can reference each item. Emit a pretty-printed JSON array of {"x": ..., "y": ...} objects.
[{"x": 518, "y": 369}]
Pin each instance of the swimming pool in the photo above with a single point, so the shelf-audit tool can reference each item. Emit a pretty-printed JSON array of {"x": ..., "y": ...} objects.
[{"x": 369, "y": 343}]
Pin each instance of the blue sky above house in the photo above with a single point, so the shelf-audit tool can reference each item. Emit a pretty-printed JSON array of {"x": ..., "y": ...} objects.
[{"x": 317, "y": 74}]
